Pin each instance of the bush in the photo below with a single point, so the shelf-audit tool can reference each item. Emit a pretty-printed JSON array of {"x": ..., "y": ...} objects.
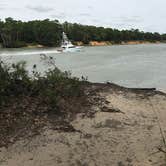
[
  {"x": 14, "y": 81},
  {"x": 50, "y": 88},
  {"x": 18, "y": 44}
]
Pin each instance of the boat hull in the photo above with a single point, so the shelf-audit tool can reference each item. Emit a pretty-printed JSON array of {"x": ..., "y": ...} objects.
[{"x": 75, "y": 49}]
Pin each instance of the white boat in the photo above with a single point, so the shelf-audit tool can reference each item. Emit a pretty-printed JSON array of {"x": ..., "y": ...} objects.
[{"x": 67, "y": 46}]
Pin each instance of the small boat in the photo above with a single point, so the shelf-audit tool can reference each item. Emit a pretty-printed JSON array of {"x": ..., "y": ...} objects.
[{"x": 67, "y": 46}]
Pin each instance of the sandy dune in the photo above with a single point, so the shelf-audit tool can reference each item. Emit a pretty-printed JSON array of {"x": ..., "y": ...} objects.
[{"x": 129, "y": 137}]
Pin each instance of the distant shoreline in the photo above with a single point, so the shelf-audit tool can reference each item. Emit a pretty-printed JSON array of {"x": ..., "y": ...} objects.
[
  {"x": 102, "y": 43},
  {"x": 97, "y": 43},
  {"x": 108, "y": 43}
]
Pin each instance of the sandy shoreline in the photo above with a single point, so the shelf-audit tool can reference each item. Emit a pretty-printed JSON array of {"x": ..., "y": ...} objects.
[
  {"x": 102, "y": 43},
  {"x": 123, "y": 131},
  {"x": 108, "y": 43}
]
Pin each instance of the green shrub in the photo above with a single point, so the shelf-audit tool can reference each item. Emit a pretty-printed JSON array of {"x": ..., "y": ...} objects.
[
  {"x": 18, "y": 44},
  {"x": 50, "y": 88}
]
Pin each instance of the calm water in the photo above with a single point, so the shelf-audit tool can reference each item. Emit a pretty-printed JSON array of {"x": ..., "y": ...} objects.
[{"x": 131, "y": 66}]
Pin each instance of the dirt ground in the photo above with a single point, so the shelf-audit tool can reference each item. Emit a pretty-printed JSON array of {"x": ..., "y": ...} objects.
[{"x": 125, "y": 131}]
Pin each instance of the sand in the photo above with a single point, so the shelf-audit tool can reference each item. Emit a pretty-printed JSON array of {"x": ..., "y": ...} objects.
[
  {"x": 129, "y": 137},
  {"x": 109, "y": 43}
]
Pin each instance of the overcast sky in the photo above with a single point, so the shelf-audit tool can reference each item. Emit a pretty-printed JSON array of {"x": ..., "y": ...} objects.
[{"x": 147, "y": 15}]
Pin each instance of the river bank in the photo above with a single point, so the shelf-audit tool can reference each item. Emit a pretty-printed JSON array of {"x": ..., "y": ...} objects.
[
  {"x": 117, "y": 126},
  {"x": 97, "y": 43},
  {"x": 108, "y": 43}
]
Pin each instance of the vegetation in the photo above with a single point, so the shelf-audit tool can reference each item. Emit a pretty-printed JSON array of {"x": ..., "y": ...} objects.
[
  {"x": 84, "y": 33},
  {"x": 28, "y": 102},
  {"x": 51, "y": 88},
  {"x": 49, "y": 33},
  {"x": 17, "y": 33}
]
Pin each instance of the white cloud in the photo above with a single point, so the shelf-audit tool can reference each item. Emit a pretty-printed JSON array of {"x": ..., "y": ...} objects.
[
  {"x": 148, "y": 15},
  {"x": 40, "y": 9}
]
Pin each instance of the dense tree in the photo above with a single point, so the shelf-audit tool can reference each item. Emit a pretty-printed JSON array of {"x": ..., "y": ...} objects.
[
  {"x": 15, "y": 33},
  {"x": 85, "y": 33}
]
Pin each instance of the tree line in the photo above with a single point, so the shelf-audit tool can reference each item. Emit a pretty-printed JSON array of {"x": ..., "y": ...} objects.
[
  {"x": 85, "y": 33},
  {"x": 14, "y": 33}
]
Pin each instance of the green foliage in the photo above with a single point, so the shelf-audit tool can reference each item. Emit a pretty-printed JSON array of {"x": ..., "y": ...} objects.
[
  {"x": 49, "y": 33},
  {"x": 18, "y": 44},
  {"x": 46, "y": 32},
  {"x": 50, "y": 89},
  {"x": 17, "y": 33},
  {"x": 14, "y": 81},
  {"x": 85, "y": 33}
]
